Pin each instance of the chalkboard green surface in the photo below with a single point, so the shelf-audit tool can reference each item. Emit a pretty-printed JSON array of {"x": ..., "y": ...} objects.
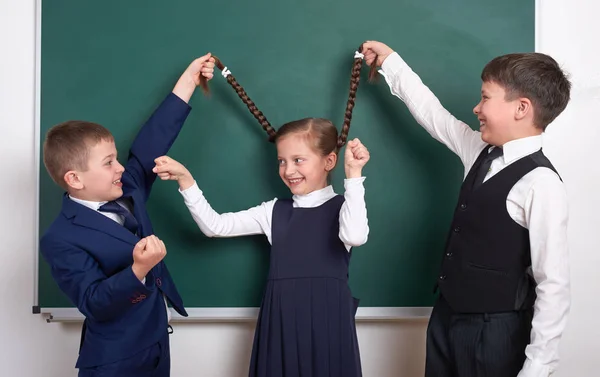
[{"x": 112, "y": 62}]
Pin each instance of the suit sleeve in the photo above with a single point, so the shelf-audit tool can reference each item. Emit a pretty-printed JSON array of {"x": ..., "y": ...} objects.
[
  {"x": 155, "y": 139},
  {"x": 79, "y": 276}
]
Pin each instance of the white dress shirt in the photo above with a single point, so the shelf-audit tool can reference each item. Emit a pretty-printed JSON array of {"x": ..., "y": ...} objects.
[
  {"x": 538, "y": 202},
  {"x": 118, "y": 218},
  {"x": 354, "y": 228}
]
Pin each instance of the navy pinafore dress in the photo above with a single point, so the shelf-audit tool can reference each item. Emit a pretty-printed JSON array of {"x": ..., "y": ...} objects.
[{"x": 306, "y": 322}]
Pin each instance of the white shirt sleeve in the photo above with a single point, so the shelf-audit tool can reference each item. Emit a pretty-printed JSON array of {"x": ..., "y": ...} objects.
[
  {"x": 546, "y": 216},
  {"x": 255, "y": 220},
  {"x": 429, "y": 112},
  {"x": 354, "y": 227}
]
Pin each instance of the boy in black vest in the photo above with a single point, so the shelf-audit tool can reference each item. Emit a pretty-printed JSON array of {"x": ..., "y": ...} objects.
[{"x": 504, "y": 280}]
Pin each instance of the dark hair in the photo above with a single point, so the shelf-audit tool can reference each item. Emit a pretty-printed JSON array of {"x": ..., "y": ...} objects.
[
  {"x": 323, "y": 132},
  {"x": 67, "y": 147},
  {"x": 244, "y": 97},
  {"x": 535, "y": 76}
]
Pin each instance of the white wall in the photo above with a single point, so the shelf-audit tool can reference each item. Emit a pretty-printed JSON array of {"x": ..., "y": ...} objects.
[
  {"x": 31, "y": 347},
  {"x": 568, "y": 31}
]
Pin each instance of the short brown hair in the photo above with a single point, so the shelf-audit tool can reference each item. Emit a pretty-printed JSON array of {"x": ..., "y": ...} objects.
[
  {"x": 535, "y": 76},
  {"x": 67, "y": 147}
]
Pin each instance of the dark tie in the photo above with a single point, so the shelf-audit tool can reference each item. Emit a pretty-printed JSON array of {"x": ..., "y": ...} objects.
[
  {"x": 114, "y": 207},
  {"x": 484, "y": 168}
]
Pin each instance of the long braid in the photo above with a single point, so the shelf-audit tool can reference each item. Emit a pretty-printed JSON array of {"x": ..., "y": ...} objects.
[
  {"x": 244, "y": 97},
  {"x": 354, "y": 81}
]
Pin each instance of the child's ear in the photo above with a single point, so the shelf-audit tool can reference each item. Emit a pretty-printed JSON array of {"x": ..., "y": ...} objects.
[
  {"x": 72, "y": 179},
  {"x": 524, "y": 108},
  {"x": 330, "y": 161}
]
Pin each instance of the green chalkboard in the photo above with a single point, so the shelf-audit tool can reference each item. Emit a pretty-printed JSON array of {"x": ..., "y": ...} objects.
[{"x": 112, "y": 62}]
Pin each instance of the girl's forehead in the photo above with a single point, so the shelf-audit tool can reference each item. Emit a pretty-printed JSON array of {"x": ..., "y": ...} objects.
[{"x": 295, "y": 144}]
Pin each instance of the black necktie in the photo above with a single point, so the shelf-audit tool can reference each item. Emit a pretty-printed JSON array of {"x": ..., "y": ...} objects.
[
  {"x": 484, "y": 168},
  {"x": 114, "y": 207}
]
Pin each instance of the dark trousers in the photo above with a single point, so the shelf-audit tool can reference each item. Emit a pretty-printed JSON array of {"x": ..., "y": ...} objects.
[
  {"x": 154, "y": 361},
  {"x": 476, "y": 345}
]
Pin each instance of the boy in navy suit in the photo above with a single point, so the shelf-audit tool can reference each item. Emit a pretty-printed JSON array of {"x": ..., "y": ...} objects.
[{"x": 101, "y": 247}]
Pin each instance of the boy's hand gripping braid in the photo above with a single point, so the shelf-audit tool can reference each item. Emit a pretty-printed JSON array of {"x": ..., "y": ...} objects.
[{"x": 376, "y": 51}]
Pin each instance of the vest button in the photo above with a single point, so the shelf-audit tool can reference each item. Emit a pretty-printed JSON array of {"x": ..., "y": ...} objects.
[
  {"x": 443, "y": 277},
  {"x": 448, "y": 254},
  {"x": 457, "y": 229},
  {"x": 463, "y": 206}
]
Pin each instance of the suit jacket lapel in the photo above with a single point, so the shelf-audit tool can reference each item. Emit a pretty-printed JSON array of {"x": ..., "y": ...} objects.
[{"x": 89, "y": 218}]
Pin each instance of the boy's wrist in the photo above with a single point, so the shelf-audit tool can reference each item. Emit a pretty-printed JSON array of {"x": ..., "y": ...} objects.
[
  {"x": 139, "y": 271},
  {"x": 185, "y": 87}
]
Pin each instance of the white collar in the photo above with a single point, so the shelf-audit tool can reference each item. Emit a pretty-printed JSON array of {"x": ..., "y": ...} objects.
[
  {"x": 314, "y": 198},
  {"x": 88, "y": 203}
]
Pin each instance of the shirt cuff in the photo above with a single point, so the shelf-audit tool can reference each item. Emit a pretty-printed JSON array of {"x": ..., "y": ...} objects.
[
  {"x": 191, "y": 194},
  {"x": 532, "y": 368},
  {"x": 353, "y": 182},
  {"x": 392, "y": 65}
]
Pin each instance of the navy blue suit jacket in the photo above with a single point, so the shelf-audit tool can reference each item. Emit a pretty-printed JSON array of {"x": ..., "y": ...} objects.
[{"x": 91, "y": 255}]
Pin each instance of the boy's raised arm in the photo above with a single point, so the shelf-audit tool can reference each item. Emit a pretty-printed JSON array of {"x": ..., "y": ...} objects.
[
  {"x": 423, "y": 104},
  {"x": 160, "y": 131}
]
